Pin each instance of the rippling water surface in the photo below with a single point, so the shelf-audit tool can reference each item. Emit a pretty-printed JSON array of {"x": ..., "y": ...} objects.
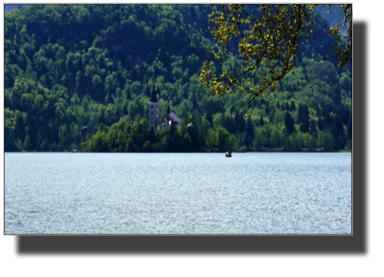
[{"x": 108, "y": 193}]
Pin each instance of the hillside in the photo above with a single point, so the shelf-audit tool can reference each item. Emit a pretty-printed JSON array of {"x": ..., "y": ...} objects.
[{"x": 67, "y": 67}]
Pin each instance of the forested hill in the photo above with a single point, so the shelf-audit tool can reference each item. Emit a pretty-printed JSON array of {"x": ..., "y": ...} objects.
[{"x": 67, "y": 67}]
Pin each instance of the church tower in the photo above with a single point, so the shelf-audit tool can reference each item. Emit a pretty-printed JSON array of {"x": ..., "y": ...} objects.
[{"x": 153, "y": 117}]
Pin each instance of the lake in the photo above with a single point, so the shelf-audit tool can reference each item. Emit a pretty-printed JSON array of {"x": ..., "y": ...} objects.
[{"x": 178, "y": 193}]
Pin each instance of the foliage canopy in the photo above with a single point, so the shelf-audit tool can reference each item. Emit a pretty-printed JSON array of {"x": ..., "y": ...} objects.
[
  {"x": 268, "y": 45},
  {"x": 72, "y": 72}
]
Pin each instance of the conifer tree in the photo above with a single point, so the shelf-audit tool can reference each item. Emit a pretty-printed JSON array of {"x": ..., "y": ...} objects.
[
  {"x": 241, "y": 122},
  {"x": 28, "y": 143},
  {"x": 313, "y": 128},
  {"x": 238, "y": 122},
  {"x": 247, "y": 140},
  {"x": 194, "y": 100},
  {"x": 289, "y": 123},
  {"x": 320, "y": 124},
  {"x": 293, "y": 107},
  {"x": 232, "y": 125},
  {"x": 250, "y": 127},
  {"x": 261, "y": 124},
  {"x": 304, "y": 127}
]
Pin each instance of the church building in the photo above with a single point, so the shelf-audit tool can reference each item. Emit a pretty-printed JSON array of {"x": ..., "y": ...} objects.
[
  {"x": 154, "y": 116},
  {"x": 169, "y": 119}
]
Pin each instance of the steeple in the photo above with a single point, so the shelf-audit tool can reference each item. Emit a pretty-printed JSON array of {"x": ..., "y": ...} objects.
[
  {"x": 168, "y": 110},
  {"x": 153, "y": 99},
  {"x": 153, "y": 111}
]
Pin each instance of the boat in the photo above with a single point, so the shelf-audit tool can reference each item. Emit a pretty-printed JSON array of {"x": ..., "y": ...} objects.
[
  {"x": 228, "y": 155},
  {"x": 74, "y": 151}
]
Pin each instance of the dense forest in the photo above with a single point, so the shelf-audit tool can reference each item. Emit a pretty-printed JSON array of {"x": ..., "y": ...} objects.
[{"x": 80, "y": 77}]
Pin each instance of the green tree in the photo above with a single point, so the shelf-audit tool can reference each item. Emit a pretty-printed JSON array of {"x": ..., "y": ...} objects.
[
  {"x": 342, "y": 46},
  {"x": 326, "y": 141},
  {"x": 345, "y": 83},
  {"x": 266, "y": 132},
  {"x": 97, "y": 87},
  {"x": 261, "y": 123},
  {"x": 28, "y": 143},
  {"x": 193, "y": 132},
  {"x": 204, "y": 133},
  {"x": 121, "y": 141},
  {"x": 289, "y": 123},
  {"x": 75, "y": 100},
  {"x": 60, "y": 111},
  {"x": 10, "y": 144},
  {"x": 275, "y": 138},
  {"x": 130, "y": 147},
  {"x": 16, "y": 92},
  {"x": 222, "y": 140},
  {"x": 257, "y": 143},
  {"x": 209, "y": 117},
  {"x": 303, "y": 115},
  {"x": 293, "y": 106},
  {"x": 211, "y": 139},
  {"x": 136, "y": 88},
  {"x": 44, "y": 146},
  {"x": 98, "y": 142},
  {"x": 250, "y": 127},
  {"x": 295, "y": 142},
  {"x": 313, "y": 129},
  {"x": 85, "y": 104},
  {"x": 286, "y": 141},
  {"x": 217, "y": 119},
  {"x": 240, "y": 122},
  {"x": 19, "y": 124},
  {"x": 268, "y": 45},
  {"x": 147, "y": 147}
]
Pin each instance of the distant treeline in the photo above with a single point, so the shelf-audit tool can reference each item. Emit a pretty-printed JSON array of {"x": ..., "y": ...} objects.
[{"x": 67, "y": 67}]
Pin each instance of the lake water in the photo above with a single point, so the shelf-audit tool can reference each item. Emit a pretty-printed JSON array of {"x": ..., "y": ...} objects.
[{"x": 157, "y": 193}]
